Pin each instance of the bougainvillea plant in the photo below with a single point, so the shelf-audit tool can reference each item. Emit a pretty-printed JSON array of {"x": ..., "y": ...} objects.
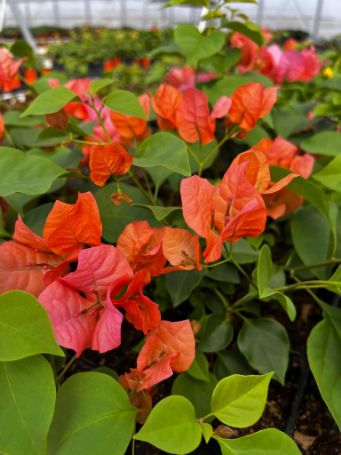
[{"x": 149, "y": 239}]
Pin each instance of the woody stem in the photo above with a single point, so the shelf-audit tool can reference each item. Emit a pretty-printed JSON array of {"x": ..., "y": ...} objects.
[
  {"x": 138, "y": 184},
  {"x": 100, "y": 120},
  {"x": 227, "y": 136}
]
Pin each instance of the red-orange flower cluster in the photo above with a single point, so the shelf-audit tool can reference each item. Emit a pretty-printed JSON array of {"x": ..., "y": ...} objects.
[{"x": 9, "y": 79}]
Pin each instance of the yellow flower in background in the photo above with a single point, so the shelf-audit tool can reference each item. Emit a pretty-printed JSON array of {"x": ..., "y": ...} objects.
[{"x": 328, "y": 72}]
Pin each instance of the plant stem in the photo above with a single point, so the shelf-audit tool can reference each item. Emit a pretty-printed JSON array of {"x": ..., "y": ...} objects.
[
  {"x": 138, "y": 184},
  {"x": 311, "y": 284},
  {"x": 240, "y": 302},
  {"x": 8, "y": 137},
  {"x": 222, "y": 298},
  {"x": 242, "y": 271},
  {"x": 100, "y": 120},
  {"x": 332, "y": 261},
  {"x": 66, "y": 367},
  {"x": 310, "y": 292},
  {"x": 216, "y": 264},
  {"x": 227, "y": 136}
]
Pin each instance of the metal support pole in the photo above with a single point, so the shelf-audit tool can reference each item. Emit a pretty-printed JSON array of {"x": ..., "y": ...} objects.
[
  {"x": 87, "y": 8},
  {"x": 22, "y": 24},
  {"x": 2, "y": 13},
  {"x": 123, "y": 5},
  {"x": 145, "y": 18},
  {"x": 260, "y": 12},
  {"x": 28, "y": 14},
  {"x": 56, "y": 12},
  {"x": 163, "y": 15},
  {"x": 317, "y": 19}
]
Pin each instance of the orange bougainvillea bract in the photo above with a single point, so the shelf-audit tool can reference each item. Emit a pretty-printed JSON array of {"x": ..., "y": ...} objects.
[
  {"x": 232, "y": 210},
  {"x": 251, "y": 102},
  {"x": 108, "y": 160},
  {"x": 71, "y": 226},
  {"x": 193, "y": 119}
]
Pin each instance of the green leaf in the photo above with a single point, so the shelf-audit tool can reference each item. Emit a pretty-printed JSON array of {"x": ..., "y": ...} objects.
[
  {"x": 115, "y": 218},
  {"x": 225, "y": 87},
  {"x": 199, "y": 152},
  {"x": 27, "y": 404},
  {"x": 324, "y": 143},
  {"x": 254, "y": 136},
  {"x": 225, "y": 273},
  {"x": 21, "y": 49},
  {"x": 49, "y": 102},
  {"x": 288, "y": 121},
  {"x": 163, "y": 150},
  {"x": 230, "y": 362},
  {"x": 265, "y": 344},
  {"x": 98, "y": 84},
  {"x": 160, "y": 71},
  {"x": 308, "y": 225},
  {"x": 323, "y": 348},
  {"x": 194, "y": 45},
  {"x": 35, "y": 218},
  {"x": 199, "y": 368},
  {"x": 159, "y": 212},
  {"x": 180, "y": 284},
  {"x": 125, "y": 102},
  {"x": 264, "y": 442},
  {"x": 222, "y": 62},
  {"x": 159, "y": 175},
  {"x": 244, "y": 253},
  {"x": 50, "y": 137},
  {"x": 25, "y": 329},
  {"x": 248, "y": 29},
  {"x": 171, "y": 426},
  {"x": 65, "y": 157},
  {"x": 264, "y": 273},
  {"x": 305, "y": 188},
  {"x": 93, "y": 415},
  {"x": 207, "y": 431},
  {"x": 199, "y": 393},
  {"x": 12, "y": 118},
  {"x": 239, "y": 401},
  {"x": 215, "y": 334},
  {"x": 24, "y": 173},
  {"x": 330, "y": 175}
]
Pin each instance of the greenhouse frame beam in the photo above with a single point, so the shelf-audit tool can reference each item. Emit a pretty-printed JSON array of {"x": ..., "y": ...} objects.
[
  {"x": 22, "y": 24},
  {"x": 317, "y": 19}
]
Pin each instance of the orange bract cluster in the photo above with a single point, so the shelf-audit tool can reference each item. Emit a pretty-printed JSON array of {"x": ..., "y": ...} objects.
[
  {"x": 188, "y": 112},
  {"x": 86, "y": 306},
  {"x": 131, "y": 128},
  {"x": 279, "y": 65},
  {"x": 9, "y": 79},
  {"x": 151, "y": 248},
  {"x": 169, "y": 347},
  {"x": 282, "y": 153},
  {"x": 234, "y": 209},
  {"x": 30, "y": 262},
  {"x": 107, "y": 160}
]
